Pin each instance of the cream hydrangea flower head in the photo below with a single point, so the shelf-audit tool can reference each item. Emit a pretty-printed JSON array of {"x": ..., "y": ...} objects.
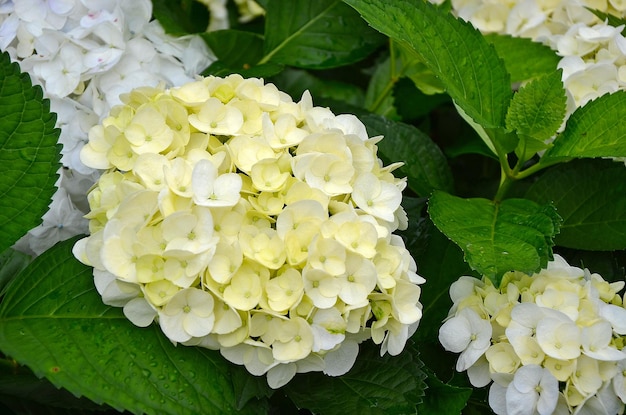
[
  {"x": 555, "y": 340},
  {"x": 246, "y": 222}
]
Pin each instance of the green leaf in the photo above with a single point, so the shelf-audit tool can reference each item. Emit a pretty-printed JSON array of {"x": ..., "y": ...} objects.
[
  {"x": 425, "y": 165},
  {"x": 596, "y": 129},
  {"x": 524, "y": 59},
  {"x": 53, "y": 320},
  {"x": 441, "y": 263},
  {"x": 411, "y": 103},
  {"x": 496, "y": 237},
  {"x": 536, "y": 113},
  {"x": 19, "y": 384},
  {"x": 181, "y": 17},
  {"x": 416, "y": 70},
  {"x": 29, "y": 154},
  {"x": 236, "y": 49},
  {"x": 441, "y": 398},
  {"x": 468, "y": 66},
  {"x": 590, "y": 196},
  {"x": 538, "y": 109},
  {"x": 378, "y": 96},
  {"x": 296, "y": 81},
  {"x": 316, "y": 34},
  {"x": 375, "y": 385},
  {"x": 11, "y": 263}
]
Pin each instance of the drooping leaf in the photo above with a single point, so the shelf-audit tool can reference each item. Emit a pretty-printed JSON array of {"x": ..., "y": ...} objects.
[
  {"x": 316, "y": 34},
  {"x": 596, "y": 129},
  {"x": 443, "y": 398},
  {"x": 181, "y": 17},
  {"x": 474, "y": 75},
  {"x": 425, "y": 165},
  {"x": 524, "y": 59},
  {"x": 235, "y": 48},
  {"x": 378, "y": 96},
  {"x": 52, "y": 319},
  {"x": 496, "y": 237},
  {"x": 416, "y": 70},
  {"x": 29, "y": 154},
  {"x": 375, "y": 385},
  {"x": 441, "y": 263},
  {"x": 590, "y": 196}
]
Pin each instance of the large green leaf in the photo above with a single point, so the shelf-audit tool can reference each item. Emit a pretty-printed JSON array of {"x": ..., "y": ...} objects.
[
  {"x": 23, "y": 392},
  {"x": 29, "y": 154},
  {"x": 496, "y": 237},
  {"x": 596, "y": 129},
  {"x": 425, "y": 165},
  {"x": 375, "y": 385},
  {"x": 11, "y": 263},
  {"x": 468, "y": 66},
  {"x": 524, "y": 58},
  {"x": 53, "y": 320},
  {"x": 316, "y": 34},
  {"x": 590, "y": 196}
]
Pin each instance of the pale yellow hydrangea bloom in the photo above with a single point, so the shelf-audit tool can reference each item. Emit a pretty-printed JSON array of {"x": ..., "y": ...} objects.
[
  {"x": 246, "y": 222},
  {"x": 564, "y": 325}
]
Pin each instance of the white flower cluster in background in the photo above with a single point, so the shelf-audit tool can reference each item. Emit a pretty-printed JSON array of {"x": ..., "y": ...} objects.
[
  {"x": 84, "y": 53},
  {"x": 552, "y": 343},
  {"x": 219, "y": 17},
  {"x": 593, "y": 52},
  {"x": 246, "y": 222}
]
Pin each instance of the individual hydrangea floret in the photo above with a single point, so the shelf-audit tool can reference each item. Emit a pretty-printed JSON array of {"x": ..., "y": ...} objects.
[
  {"x": 552, "y": 342},
  {"x": 243, "y": 221}
]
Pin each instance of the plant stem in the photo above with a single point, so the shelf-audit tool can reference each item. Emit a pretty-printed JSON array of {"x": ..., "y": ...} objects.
[{"x": 505, "y": 183}]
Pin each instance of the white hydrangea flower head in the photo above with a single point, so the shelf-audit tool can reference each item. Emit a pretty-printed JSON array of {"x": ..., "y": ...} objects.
[
  {"x": 551, "y": 342},
  {"x": 85, "y": 54},
  {"x": 272, "y": 241}
]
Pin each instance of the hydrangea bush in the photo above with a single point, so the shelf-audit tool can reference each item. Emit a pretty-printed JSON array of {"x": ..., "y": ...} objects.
[
  {"x": 244, "y": 245},
  {"x": 252, "y": 224},
  {"x": 551, "y": 342}
]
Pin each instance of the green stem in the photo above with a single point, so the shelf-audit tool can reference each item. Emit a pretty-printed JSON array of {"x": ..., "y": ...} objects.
[
  {"x": 505, "y": 183},
  {"x": 541, "y": 164}
]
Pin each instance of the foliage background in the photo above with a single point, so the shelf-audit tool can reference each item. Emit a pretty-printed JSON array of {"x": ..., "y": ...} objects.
[{"x": 402, "y": 76}]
